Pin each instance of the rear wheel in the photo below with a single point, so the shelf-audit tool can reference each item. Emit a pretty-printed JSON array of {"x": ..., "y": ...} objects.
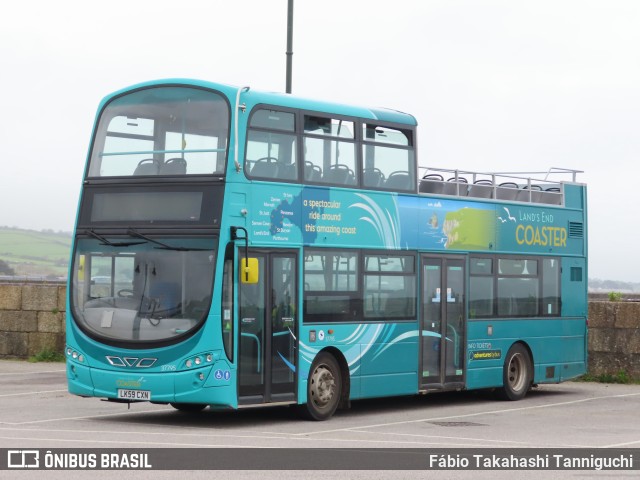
[
  {"x": 517, "y": 374},
  {"x": 189, "y": 407},
  {"x": 324, "y": 388}
]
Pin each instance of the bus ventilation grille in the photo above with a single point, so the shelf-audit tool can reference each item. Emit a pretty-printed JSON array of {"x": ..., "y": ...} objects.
[{"x": 576, "y": 230}]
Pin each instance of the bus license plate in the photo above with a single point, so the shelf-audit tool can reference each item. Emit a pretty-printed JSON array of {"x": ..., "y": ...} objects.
[{"x": 134, "y": 394}]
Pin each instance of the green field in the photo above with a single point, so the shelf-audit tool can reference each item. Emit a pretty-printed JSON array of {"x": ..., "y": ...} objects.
[{"x": 29, "y": 252}]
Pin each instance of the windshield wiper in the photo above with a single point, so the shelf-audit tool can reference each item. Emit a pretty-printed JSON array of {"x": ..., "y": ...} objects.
[
  {"x": 164, "y": 246},
  {"x": 111, "y": 244}
]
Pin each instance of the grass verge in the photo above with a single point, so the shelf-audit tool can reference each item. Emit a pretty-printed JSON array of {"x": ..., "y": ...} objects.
[
  {"x": 621, "y": 377},
  {"x": 47, "y": 356}
]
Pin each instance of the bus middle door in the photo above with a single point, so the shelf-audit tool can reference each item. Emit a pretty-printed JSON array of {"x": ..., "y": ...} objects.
[{"x": 443, "y": 324}]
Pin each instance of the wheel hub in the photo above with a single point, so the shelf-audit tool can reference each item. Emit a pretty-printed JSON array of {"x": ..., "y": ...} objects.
[
  {"x": 323, "y": 386},
  {"x": 516, "y": 377}
]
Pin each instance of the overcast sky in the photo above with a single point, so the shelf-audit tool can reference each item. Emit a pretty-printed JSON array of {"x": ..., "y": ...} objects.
[{"x": 495, "y": 85}]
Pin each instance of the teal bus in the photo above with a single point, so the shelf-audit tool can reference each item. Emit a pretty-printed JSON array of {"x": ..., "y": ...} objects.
[{"x": 236, "y": 248}]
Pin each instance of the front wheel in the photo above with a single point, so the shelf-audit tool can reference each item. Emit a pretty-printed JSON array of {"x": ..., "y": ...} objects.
[
  {"x": 324, "y": 388},
  {"x": 517, "y": 373}
]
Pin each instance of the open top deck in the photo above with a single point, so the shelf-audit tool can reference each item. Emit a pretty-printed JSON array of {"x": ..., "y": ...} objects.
[{"x": 529, "y": 187}]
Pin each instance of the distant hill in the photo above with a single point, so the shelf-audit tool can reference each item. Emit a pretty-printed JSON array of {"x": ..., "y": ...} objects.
[
  {"x": 597, "y": 285},
  {"x": 42, "y": 253}
]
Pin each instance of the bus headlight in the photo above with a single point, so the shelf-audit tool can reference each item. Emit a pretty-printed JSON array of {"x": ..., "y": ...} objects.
[{"x": 74, "y": 354}]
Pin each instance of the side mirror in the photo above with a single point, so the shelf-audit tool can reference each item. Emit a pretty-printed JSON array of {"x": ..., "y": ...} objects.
[{"x": 249, "y": 270}]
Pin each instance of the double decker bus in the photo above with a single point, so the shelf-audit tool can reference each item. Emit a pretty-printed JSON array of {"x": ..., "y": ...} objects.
[{"x": 236, "y": 248}]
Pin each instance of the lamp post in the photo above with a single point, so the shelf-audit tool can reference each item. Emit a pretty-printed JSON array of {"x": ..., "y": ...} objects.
[{"x": 289, "y": 44}]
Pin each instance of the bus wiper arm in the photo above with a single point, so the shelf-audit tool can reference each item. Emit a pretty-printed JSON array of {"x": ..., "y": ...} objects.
[
  {"x": 111, "y": 244},
  {"x": 162, "y": 245}
]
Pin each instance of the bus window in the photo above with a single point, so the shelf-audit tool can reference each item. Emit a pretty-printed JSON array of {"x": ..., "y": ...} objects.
[
  {"x": 389, "y": 286},
  {"x": 481, "y": 294},
  {"x": 273, "y": 120},
  {"x": 139, "y": 293},
  {"x": 388, "y": 159},
  {"x": 331, "y": 285},
  {"x": 329, "y": 148},
  {"x": 196, "y": 162},
  {"x": 518, "y": 287},
  {"x": 271, "y": 153},
  {"x": 550, "y": 286},
  {"x": 120, "y": 163},
  {"x": 271, "y": 156},
  {"x": 141, "y": 133}
]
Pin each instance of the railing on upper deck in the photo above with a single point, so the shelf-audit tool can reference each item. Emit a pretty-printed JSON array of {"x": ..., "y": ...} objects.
[{"x": 530, "y": 187}]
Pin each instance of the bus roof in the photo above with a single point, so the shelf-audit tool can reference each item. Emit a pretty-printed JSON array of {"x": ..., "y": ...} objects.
[{"x": 281, "y": 99}]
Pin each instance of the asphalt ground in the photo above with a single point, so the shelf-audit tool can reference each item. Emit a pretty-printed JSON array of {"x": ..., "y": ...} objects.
[{"x": 37, "y": 412}]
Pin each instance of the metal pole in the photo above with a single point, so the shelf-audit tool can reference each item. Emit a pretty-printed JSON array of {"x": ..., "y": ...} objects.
[{"x": 289, "y": 44}]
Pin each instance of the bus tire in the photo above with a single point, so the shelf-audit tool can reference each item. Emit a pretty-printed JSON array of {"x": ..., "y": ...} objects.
[
  {"x": 324, "y": 388},
  {"x": 189, "y": 407},
  {"x": 517, "y": 373}
]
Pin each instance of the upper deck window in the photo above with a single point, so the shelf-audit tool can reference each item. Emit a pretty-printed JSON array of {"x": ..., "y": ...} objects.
[
  {"x": 273, "y": 120},
  {"x": 165, "y": 131},
  {"x": 329, "y": 151},
  {"x": 380, "y": 134},
  {"x": 271, "y": 146},
  {"x": 329, "y": 127},
  {"x": 388, "y": 158},
  {"x": 288, "y": 145}
]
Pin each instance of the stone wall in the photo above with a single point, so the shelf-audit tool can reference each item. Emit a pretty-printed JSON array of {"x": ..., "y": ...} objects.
[
  {"x": 31, "y": 319},
  {"x": 614, "y": 338}
]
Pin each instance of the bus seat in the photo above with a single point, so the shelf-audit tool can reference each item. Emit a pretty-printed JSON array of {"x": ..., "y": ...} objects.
[
  {"x": 265, "y": 167},
  {"x": 482, "y": 188},
  {"x": 399, "y": 181},
  {"x": 431, "y": 183},
  {"x": 372, "y": 177},
  {"x": 451, "y": 187},
  {"x": 288, "y": 172},
  {"x": 536, "y": 193},
  {"x": 148, "y": 166},
  {"x": 312, "y": 173},
  {"x": 552, "y": 196},
  {"x": 397, "y": 306},
  {"x": 340, "y": 174},
  {"x": 507, "y": 191},
  {"x": 174, "y": 166}
]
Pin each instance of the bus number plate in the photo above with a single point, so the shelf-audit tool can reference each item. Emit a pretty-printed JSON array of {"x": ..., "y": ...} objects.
[{"x": 134, "y": 394}]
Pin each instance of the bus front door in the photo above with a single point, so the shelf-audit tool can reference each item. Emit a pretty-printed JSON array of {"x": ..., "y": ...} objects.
[
  {"x": 267, "y": 327},
  {"x": 443, "y": 322}
]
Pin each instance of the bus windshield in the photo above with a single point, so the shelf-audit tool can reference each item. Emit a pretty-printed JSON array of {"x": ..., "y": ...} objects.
[
  {"x": 142, "y": 289},
  {"x": 164, "y": 131}
]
